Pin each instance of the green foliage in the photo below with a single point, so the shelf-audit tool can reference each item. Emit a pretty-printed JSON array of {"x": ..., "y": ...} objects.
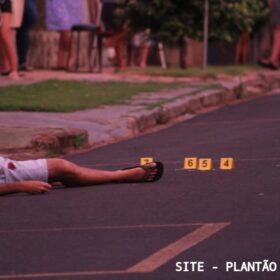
[
  {"x": 173, "y": 19},
  {"x": 230, "y": 18}
]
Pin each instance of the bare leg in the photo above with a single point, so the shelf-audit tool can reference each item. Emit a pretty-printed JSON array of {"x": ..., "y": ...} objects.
[
  {"x": 64, "y": 48},
  {"x": 121, "y": 53},
  {"x": 8, "y": 45},
  {"x": 144, "y": 52},
  {"x": 274, "y": 58},
  {"x": 71, "y": 174},
  {"x": 4, "y": 63},
  {"x": 242, "y": 49}
]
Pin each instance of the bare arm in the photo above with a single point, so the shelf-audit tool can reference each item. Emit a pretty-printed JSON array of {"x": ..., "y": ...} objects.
[{"x": 31, "y": 187}]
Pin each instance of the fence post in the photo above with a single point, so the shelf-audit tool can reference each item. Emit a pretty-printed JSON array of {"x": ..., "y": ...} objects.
[
  {"x": 205, "y": 34},
  {"x": 162, "y": 56}
]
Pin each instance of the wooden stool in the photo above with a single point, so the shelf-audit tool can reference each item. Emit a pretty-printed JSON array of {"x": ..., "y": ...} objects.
[{"x": 94, "y": 45}]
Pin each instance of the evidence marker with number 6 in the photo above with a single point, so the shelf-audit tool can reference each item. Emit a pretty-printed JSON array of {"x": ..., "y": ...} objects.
[{"x": 190, "y": 163}]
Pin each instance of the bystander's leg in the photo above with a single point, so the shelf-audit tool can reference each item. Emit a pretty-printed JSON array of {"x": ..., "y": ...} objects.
[{"x": 8, "y": 45}]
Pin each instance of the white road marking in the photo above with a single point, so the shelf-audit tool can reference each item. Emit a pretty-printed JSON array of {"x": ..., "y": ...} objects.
[
  {"x": 100, "y": 228},
  {"x": 149, "y": 264},
  {"x": 169, "y": 252},
  {"x": 60, "y": 274}
]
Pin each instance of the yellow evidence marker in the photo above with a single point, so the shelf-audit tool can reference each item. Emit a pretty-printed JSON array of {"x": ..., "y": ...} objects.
[
  {"x": 226, "y": 163},
  {"x": 190, "y": 163},
  {"x": 145, "y": 160},
  {"x": 205, "y": 164}
]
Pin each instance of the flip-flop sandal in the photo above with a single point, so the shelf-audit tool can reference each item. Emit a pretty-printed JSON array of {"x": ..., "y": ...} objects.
[
  {"x": 145, "y": 179},
  {"x": 6, "y": 73},
  {"x": 268, "y": 64}
]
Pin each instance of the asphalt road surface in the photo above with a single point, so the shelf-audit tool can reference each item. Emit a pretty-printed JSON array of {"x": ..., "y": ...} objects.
[{"x": 207, "y": 219}]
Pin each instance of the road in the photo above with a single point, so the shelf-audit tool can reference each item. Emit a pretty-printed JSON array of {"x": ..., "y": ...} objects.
[{"x": 140, "y": 231}]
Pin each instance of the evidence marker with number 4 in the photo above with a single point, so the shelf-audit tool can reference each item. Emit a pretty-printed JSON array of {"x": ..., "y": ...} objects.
[
  {"x": 146, "y": 160},
  {"x": 226, "y": 163},
  {"x": 205, "y": 164},
  {"x": 190, "y": 163}
]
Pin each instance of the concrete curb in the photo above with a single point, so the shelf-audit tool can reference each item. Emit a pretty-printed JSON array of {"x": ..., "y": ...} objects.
[
  {"x": 45, "y": 142},
  {"x": 59, "y": 141},
  {"x": 246, "y": 89}
]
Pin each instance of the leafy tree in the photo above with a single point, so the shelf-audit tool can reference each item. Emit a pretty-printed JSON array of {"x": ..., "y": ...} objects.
[
  {"x": 173, "y": 20},
  {"x": 229, "y": 18}
]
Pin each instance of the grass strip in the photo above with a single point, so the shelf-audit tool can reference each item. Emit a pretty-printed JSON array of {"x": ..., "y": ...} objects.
[{"x": 69, "y": 96}]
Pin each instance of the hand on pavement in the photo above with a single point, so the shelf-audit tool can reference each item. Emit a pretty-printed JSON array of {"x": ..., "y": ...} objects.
[{"x": 34, "y": 187}]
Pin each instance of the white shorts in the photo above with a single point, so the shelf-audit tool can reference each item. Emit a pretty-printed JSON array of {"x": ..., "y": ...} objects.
[{"x": 30, "y": 170}]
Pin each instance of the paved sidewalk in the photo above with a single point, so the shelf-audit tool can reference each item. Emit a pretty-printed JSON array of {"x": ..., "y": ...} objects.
[{"x": 35, "y": 134}]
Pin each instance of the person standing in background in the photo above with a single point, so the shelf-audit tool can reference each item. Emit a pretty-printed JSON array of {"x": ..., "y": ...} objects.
[
  {"x": 8, "y": 54},
  {"x": 140, "y": 48},
  {"x": 30, "y": 16},
  {"x": 61, "y": 16},
  {"x": 242, "y": 48},
  {"x": 273, "y": 61}
]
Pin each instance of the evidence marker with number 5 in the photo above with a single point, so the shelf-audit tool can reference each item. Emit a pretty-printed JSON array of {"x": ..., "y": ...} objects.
[{"x": 205, "y": 164}]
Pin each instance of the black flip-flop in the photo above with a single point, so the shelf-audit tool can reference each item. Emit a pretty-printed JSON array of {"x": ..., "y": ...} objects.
[
  {"x": 6, "y": 73},
  {"x": 268, "y": 65},
  {"x": 160, "y": 169}
]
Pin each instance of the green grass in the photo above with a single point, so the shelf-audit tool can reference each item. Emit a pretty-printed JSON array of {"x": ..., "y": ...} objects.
[
  {"x": 68, "y": 96},
  {"x": 211, "y": 71}
]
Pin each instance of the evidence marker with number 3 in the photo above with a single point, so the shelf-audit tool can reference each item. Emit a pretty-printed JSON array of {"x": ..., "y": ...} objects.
[
  {"x": 226, "y": 163},
  {"x": 190, "y": 163},
  {"x": 205, "y": 164},
  {"x": 146, "y": 160}
]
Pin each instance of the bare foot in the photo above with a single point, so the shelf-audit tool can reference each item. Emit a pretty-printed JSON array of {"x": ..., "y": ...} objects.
[{"x": 14, "y": 76}]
